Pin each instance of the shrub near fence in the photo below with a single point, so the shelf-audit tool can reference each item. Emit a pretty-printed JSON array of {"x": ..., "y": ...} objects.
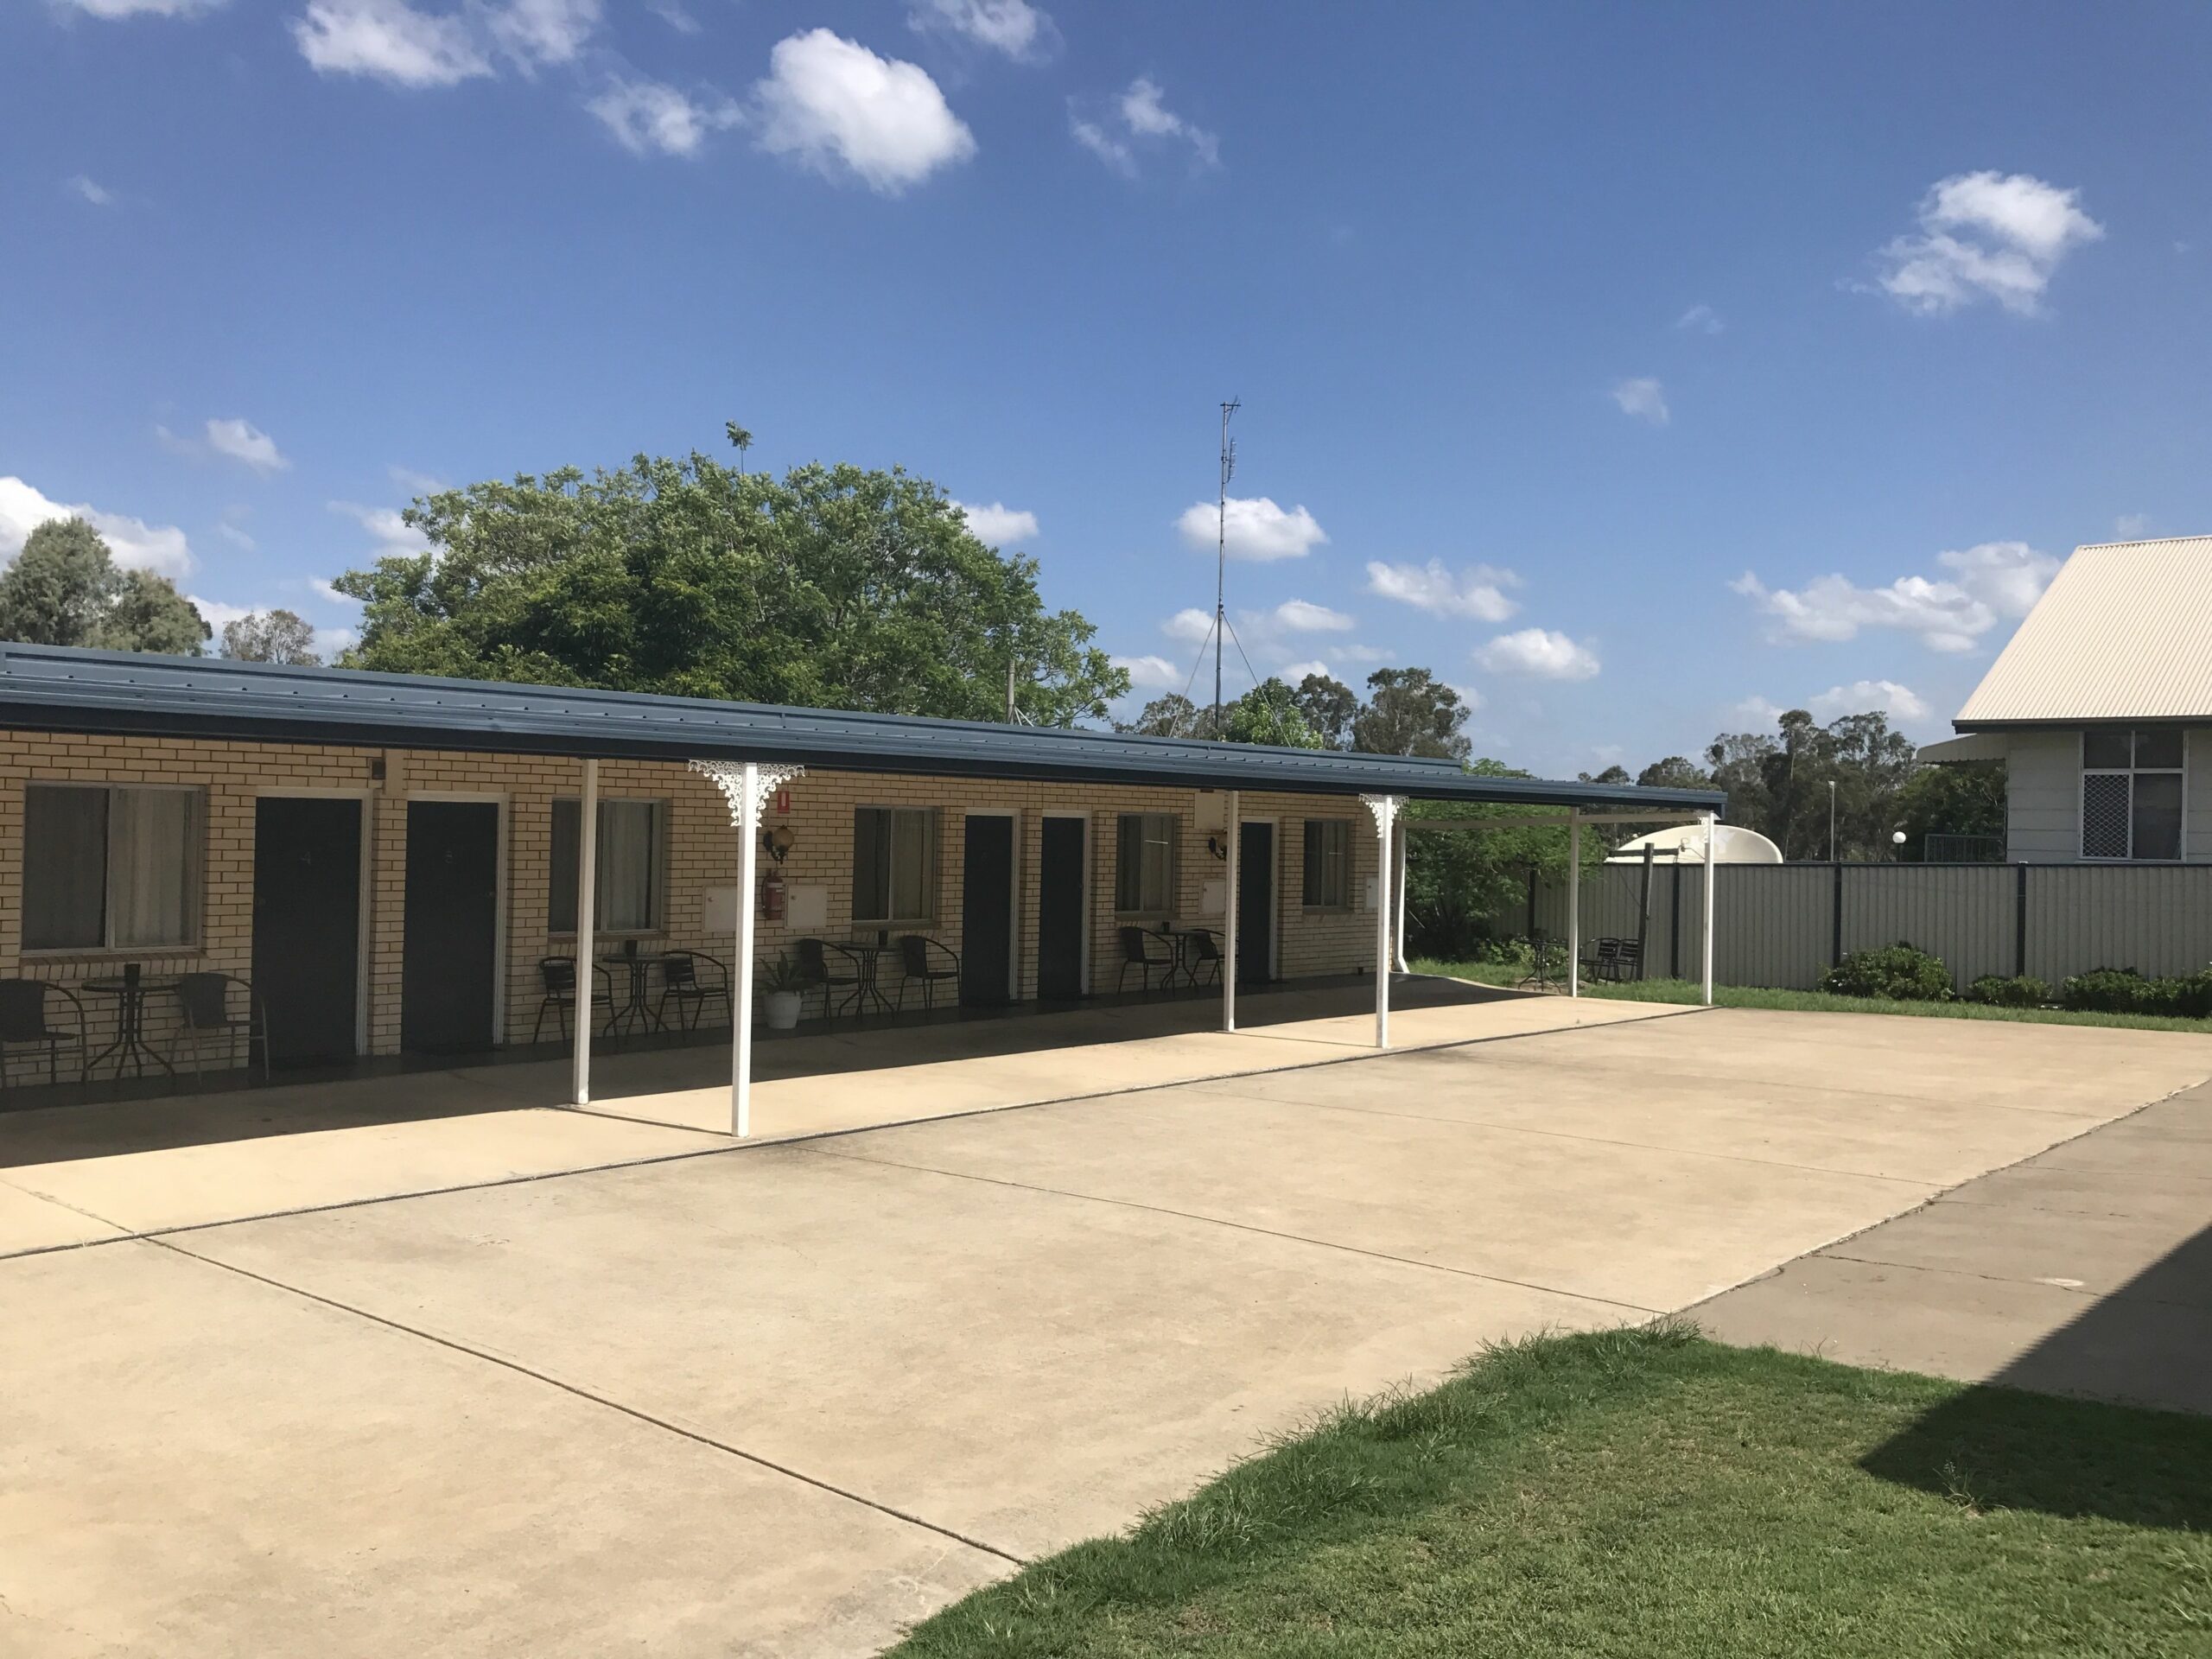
[{"x": 1784, "y": 926}]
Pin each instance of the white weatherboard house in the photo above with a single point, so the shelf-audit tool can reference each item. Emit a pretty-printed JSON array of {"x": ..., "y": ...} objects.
[{"x": 2101, "y": 710}]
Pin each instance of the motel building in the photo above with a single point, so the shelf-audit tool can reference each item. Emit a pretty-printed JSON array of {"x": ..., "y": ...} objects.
[{"x": 390, "y": 867}]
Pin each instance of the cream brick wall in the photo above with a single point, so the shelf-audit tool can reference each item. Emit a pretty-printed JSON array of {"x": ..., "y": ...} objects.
[{"x": 700, "y": 853}]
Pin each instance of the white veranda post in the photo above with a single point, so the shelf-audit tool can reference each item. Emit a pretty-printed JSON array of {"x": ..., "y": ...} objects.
[
  {"x": 1405, "y": 837},
  {"x": 1705, "y": 940},
  {"x": 587, "y": 920},
  {"x": 1385, "y": 809},
  {"x": 746, "y": 786},
  {"x": 1229, "y": 916},
  {"x": 1574, "y": 904}
]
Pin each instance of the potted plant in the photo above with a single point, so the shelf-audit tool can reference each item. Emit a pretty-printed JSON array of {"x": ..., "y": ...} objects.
[{"x": 782, "y": 984}]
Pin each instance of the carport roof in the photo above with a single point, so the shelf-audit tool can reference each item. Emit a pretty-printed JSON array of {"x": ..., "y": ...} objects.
[{"x": 56, "y": 689}]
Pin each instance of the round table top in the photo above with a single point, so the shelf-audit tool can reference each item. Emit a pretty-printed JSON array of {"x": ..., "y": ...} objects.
[{"x": 115, "y": 984}]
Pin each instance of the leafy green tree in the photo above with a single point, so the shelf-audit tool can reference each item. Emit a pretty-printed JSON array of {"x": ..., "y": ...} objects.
[
  {"x": 1410, "y": 711},
  {"x": 1616, "y": 774},
  {"x": 1457, "y": 881},
  {"x": 1965, "y": 799},
  {"x": 1269, "y": 714},
  {"x": 1674, "y": 773},
  {"x": 833, "y": 587},
  {"x": 64, "y": 589},
  {"x": 1329, "y": 706},
  {"x": 1778, "y": 785},
  {"x": 277, "y": 636},
  {"x": 1173, "y": 716}
]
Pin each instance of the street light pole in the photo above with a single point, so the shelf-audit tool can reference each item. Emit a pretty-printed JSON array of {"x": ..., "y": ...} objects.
[{"x": 1831, "y": 820}]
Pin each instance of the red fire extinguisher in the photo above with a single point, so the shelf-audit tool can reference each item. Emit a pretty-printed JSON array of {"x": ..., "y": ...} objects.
[{"x": 772, "y": 896}]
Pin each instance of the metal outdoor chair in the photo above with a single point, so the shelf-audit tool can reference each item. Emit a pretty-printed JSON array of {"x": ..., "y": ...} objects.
[
  {"x": 815, "y": 964},
  {"x": 22, "y": 1019},
  {"x": 1600, "y": 963},
  {"x": 1201, "y": 952},
  {"x": 1136, "y": 952},
  {"x": 203, "y": 1002},
  {"x": 925, "y": 962},
  {"x": 558, "y": 974},
  {"x": 1628, "y": 960},
  {"x": 694, "y": 979}
]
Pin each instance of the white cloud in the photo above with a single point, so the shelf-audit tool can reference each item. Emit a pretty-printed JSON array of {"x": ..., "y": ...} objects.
[
  {"x": 534, "y": 32},
  {"x": 1644, "y": 399},
  {"x": 1298, "y": 616},
  {"x": 242, "y": 441},
  {"x": 324, "y": 590},
  {"x": 99, "y": 194},
  {"x": 1102, "y": 144},
  {"x": 674, "y": 16},
  {"x": 1144, "y": 112},
  {"x": 415, "y": 483},
  {"x": 1983, "y": 584},
  {"x": 647, "y": 115},
  {"x": 220, "y": 615},
  {"x": 136, "y": 544},
  {"x": 1140, "y": 113},
  {"x": 1757, "y": 710},
  {"x": 1479, "y": 591},
  {"x": 1256, "y": 529},
  {"x": 831, "y": 103},
  {"x": 999, "y": 523},
  {"x": 389, "y": 41},
  {"x": 2130, "y": 526},
  {"x": 1701, "y": 320},
  {"x": 1013, "y": 27},
  {"x": 1189, "y": 624},
  {"x": 113, "y": 10},
  {"x": 1293, "y": 672},
  {"x": 1151, "y": 673},
  {"x": 395, "y": 537},
  {"x": 329, "y": 642},
  {"x": 1985, "y": 236},
  {"x": 236, "y": 536},
  {"x": 1900, "y": 702},
  {"x": 1540, "y": 653}
]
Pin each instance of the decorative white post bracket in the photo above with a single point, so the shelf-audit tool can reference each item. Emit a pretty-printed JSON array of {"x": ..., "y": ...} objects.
[
  {"x": 1384, "y": 808},
  {"x": 746, "y": 786}
]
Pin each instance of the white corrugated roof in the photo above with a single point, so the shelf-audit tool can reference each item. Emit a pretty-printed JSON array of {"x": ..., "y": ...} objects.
[{"x": 2121, "y": 634}]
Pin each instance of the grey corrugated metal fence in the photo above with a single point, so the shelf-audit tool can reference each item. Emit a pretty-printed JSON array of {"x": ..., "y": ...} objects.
[{"x": 1785, "y": 924}]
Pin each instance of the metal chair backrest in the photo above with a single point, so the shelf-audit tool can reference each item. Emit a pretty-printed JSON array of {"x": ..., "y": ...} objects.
[
  {"x": 914, "y": 953},
  {"x": 206, "y": 999},
  {"x": 1203, "y": 947},
  {"x": 1134, "y": 944},
  {"x": 22, "y": 1010},
  {"x": 813, "y": 960},
  {"x": 677, "y": 970},
  {"x": 558, "y": 973}
]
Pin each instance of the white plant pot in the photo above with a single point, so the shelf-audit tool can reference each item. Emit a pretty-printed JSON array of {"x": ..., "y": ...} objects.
[{"x": 783, "y": 1010}]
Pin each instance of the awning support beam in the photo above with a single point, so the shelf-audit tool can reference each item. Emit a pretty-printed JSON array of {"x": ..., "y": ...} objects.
[
  {"x": 1229, "y": 913},
  {"x": 587, "y": 920},
  {"x": 1384, "y": 808}
]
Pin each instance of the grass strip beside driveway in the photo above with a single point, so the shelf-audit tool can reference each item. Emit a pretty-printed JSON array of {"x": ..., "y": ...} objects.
[
  {"x": 1651, "y": 1493},
  {"x": 1755, "y": 996}
]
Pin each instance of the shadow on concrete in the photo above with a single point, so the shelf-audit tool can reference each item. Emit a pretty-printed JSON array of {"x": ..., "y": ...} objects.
[
  {"x": 105, "y": 1119},
  {"x": 2135, "y": 1444}
]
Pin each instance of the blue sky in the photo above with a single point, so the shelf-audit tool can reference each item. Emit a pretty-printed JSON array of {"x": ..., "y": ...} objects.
[{"x": 1635, "y": 368}]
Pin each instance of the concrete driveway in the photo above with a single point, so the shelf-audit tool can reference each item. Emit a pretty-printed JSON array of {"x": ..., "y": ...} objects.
[{"x": 785, "y": 1399}]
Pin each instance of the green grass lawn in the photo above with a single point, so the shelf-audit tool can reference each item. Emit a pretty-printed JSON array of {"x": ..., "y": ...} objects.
[
  {"x": 1751, "y": 996},
  {"x": 1650, "y": 1493}
]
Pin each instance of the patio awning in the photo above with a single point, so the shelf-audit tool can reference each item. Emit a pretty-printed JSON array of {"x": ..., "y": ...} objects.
[{"x": 56, "y": 689}]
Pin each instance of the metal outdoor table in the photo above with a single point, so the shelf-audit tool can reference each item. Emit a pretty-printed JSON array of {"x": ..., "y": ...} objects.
[
  {"x": 867, "y": 953},
  {"x": 636, "y": 1010},
  {"x": 129, "y": 989}
]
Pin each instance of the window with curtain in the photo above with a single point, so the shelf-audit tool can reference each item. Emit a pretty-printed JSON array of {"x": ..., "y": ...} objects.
[
  {"x": 627, "y": 896},
  {"x": 111, "y": 867},
  {"x": 1328, "y": 864},
  {"x": 2132, "y": 793},
  {"x": 894, "y": 864},
  {"x": 1144, "y": 872}
]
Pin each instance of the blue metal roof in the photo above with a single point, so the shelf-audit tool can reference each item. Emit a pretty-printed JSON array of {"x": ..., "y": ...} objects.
[{"x": 57, "y": 688}]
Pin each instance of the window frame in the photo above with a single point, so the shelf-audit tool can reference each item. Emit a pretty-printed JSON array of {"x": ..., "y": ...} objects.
[
  {"x": 1171, "y": 881},
  {"x": 2131, "y": 772},
  {"x": 196, "y": 873},
  {"x": 557, "y": 882},
  {"x": 932, "y": 896},
  {"x": 1308, "y": 865}
]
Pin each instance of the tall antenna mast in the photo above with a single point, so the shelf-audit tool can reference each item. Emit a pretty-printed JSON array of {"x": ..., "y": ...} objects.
[{"x": 1221, "y": 554}]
